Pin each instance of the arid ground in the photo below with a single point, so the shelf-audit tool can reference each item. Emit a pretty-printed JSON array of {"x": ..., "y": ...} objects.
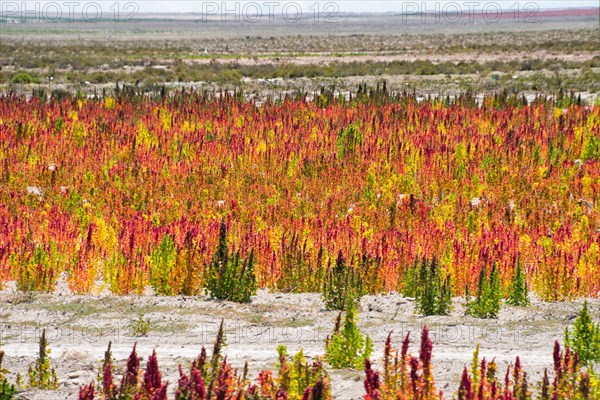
[{"x": 80, "y": 327}]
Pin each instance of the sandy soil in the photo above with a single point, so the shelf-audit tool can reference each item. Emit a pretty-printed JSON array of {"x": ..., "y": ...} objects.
[{"x": 80, "y": 327}]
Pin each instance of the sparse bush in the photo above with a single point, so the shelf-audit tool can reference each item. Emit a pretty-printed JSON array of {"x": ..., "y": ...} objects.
[
  {"x": 7, "y": 390},
  {"x": 38, "y": 268},
  {"x": 349, "y": 140},
  {"x": 347, "y": 348},
  {"x": 162, "y": 264},
  {"x": 585, "y": 337},
  {"x": 430, "y": 286},
  {"x": 343, "y": 285},
  {"x": 519, "y": 293},
  {"x": 42, "y": 375},
  {"x": 295, "y": 376},
  {"x": 141, "y": 326},
  {"x": 228, "y": 276},
  {"x": 229, "y": 76},
  {"x": 24, "y": 77},
  {"x": 488, "y": 300}
]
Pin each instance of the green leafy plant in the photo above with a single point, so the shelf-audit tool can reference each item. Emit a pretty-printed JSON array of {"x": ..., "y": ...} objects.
[
  {"x": 343, "y": 284},
  {"x": 519, "y": 293},
  {"x": 295, "y": 374},
  {"x": 141, "y": 326},
  {"x": 7, "y": 390},
  {"x": 431, "y": 288},
  {"x": 217, "y": 353},
  {"x": 24, "y": 77},
  {"x": 42, "y": 375},
  {"x": 348, "y": 140},
  {"x": 591, "y": 149},
  {"x": 173, "y": 269},
  {"x": 489, "y": 296},
  {"x": 228, "y": 276},
  {"x": 594, "y": 385},
  {"x": 347, "y": 348},
  {"x": 585, "y": 337},
  {"x": 38, "y": 269},
  {"x": 162, "y": 263}
]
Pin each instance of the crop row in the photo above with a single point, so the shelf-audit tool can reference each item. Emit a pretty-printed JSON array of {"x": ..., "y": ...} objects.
[{"x": 129, "y": 192}]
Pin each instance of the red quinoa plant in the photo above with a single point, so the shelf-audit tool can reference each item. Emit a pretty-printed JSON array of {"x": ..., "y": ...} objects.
[
  {"x": 407, "y": 377},
  {"x": 92, "y": 187}
]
